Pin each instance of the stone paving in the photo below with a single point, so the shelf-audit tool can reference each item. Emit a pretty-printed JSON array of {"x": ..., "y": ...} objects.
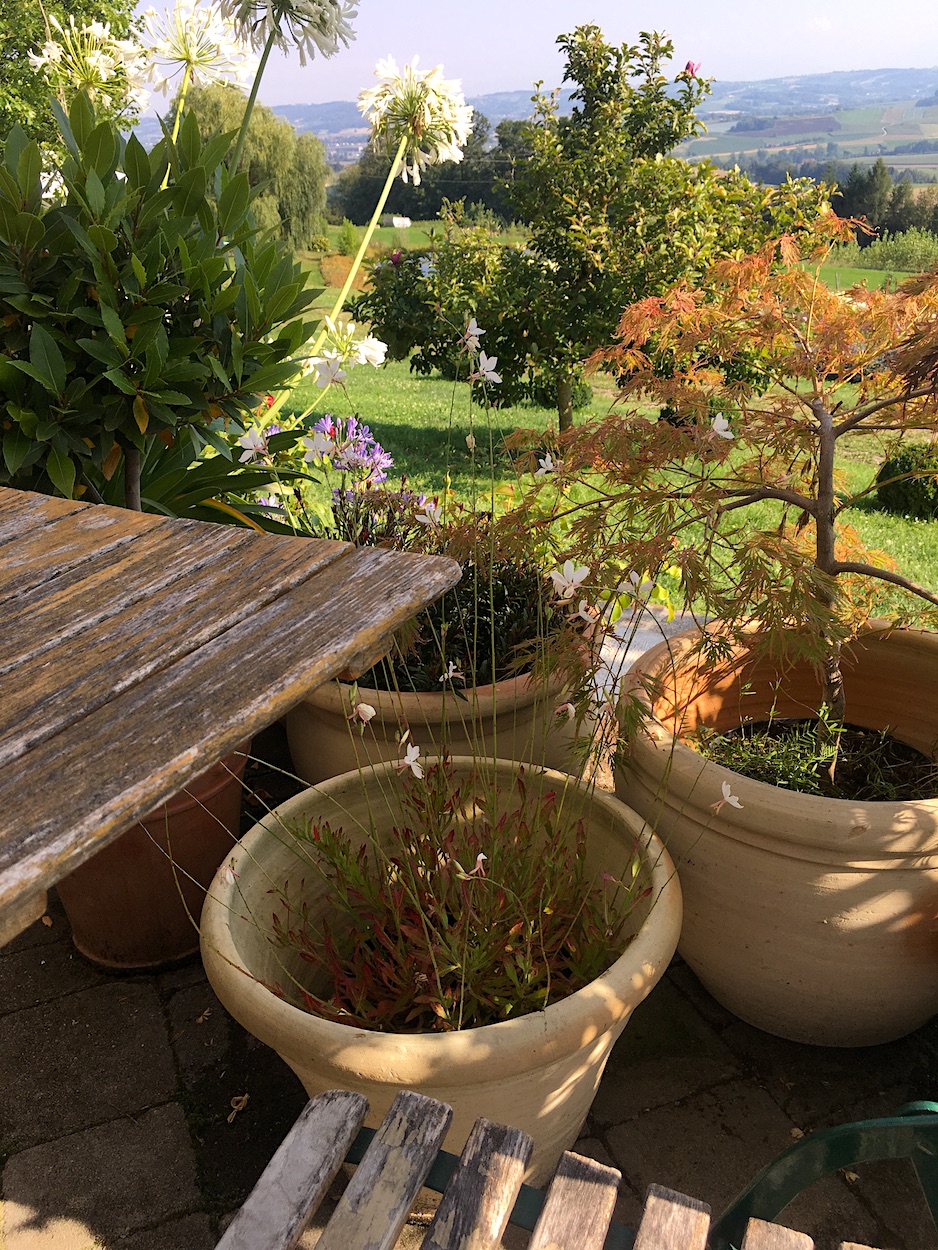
[{"x": 124, "y": 1125}]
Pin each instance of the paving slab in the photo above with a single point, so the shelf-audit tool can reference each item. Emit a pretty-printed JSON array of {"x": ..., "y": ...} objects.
[
  {"x": 81, "y": 1060},
  {"x": 710, "y": 1147},
  {"x": 102, "y": 1184},
  {"x": 30, "y": 977},
  {"x": 667, "y": 1052}
]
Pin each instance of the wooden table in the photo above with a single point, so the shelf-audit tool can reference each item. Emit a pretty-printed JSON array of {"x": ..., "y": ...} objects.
[
  {"x": 482, "y": 1190},
  {"x": 137, "y": 650}
]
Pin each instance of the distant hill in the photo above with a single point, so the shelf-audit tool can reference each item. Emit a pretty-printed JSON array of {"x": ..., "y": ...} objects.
[{"x": 339, "y": 124}]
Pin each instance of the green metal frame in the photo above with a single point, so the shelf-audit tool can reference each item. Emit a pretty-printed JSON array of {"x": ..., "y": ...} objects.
[{"x": 911, "y": 1133}]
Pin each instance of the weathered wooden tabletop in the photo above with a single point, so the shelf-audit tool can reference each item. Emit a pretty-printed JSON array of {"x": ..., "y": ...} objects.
[{"x": 137, "y": 650}]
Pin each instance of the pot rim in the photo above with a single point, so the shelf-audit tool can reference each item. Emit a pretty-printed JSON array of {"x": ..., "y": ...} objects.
[
  {"x": 873, "y": 831},
  {"x": 463, "y": 1056},
  {"x": 432, "y": 705}
]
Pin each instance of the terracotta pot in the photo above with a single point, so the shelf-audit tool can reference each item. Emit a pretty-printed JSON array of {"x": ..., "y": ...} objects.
[
  {"x": 513, "y": 719},
  {"x": 815, "y": 919},
  {"x": 131, "y": 905},
  {"x": 538, "y": 1072}
]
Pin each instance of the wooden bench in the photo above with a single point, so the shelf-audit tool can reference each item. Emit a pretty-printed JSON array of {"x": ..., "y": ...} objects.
[
  {"x": 137, "y": 650},
  {"x": 482, "y": 1190}
]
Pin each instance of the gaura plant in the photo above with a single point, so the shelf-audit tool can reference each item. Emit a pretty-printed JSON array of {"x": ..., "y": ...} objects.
[
  {"x": 766, "y": 371},
  {"x": 477, "y": 909},
  {"x": 135, "y": 310}
]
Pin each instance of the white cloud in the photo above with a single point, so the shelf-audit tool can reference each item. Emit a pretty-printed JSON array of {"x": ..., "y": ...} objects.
[{"x": 822, "y": 24}]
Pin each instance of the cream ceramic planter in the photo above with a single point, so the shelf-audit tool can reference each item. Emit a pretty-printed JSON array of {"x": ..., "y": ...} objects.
[
  {"x": 514, "y": 719},
  {"x": 538, "y": 1072},
  {"x": 815, "y": 919}
]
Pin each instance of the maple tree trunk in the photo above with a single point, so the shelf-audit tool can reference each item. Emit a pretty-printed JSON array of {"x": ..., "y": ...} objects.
[
  {"x": 832, "y": 682},
  {"x": 565, "y": 404}
]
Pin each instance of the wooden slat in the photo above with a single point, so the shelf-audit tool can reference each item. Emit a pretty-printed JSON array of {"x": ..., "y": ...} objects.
[
  {"x": 22, "y": 511},
  {"x": 477, "y": 1202},
  {"x": 578, "y": 1207},
  {"x": 19, "y": 917},
  {"x": 102, "y": 773},
  {"x": 761, "y": 1235},
  {"x": 121, "y": 647},
  {"x": 853, "y": 1245},
  {"x": 374, "y": 1207},
  {"x": 299, "y": 1175},
  {"x": 672, "y": 1221}
]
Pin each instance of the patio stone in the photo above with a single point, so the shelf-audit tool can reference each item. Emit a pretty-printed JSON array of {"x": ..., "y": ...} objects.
[
  {"x": 194, "y": 1232},
  {"x": 29, "y": 977},
  {"x": 39, "y": 933},
  {"x": 81, "y": 1060},
  {"x": 127, "y": 1175},
  {"x": 666, "y": 1053},
  {"x": 200, "y": 1029},
  {"x": 891, "y": 1190},
  {"x": 818, "y": 1085},
  {"x": 711, "y": 1145}
]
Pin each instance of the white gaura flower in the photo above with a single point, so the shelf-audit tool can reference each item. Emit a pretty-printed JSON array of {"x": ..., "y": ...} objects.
[
  {"x": 196, "y": 37},
  {"x": 545, "y": 465},
  {"x": 567, "y": 580},
  {"x": 317, "y": 445},
  {"x": 487, "y": 368},
  {"x": 636, "y": 586},
  {"x": 471, "y": 442},
  {"x": 721, "y": 427},
  {"x": 728, "y": 797},
  {"x": 420, "y": 108},
  {"x": 328, "y": 370},
  {"x": 411, "y": 760},
  {"x": 471, "y": 337},
  {"x": 363, "y": 712},
  {"x": 254, "y": 444},
  {"x": 432, "y": 514},
  {"x": 565, "y": 710},
  {"x": 310, "y": 26},
  {"x": 451, "y": 673}
]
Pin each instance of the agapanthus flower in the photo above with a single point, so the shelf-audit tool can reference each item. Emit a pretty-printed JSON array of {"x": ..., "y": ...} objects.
[
  {"x": 422, "y": 109},
  {"x": 370, "y": 351},
  {"x": 196, "y": 37},
  {"x": 310, "y": 26},
  {"x": 89, "y": 58}
]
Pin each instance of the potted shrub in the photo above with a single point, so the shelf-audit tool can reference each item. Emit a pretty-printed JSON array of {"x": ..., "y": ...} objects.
[
  {"x": 810, "y": 915},
  {"x": 357, "y": 927}
]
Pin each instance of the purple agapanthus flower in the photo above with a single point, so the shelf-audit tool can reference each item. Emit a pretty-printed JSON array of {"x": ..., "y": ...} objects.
[{"x": 356, "y": 450}]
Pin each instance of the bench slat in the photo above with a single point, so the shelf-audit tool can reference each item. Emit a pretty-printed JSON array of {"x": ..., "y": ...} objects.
[
  {"x": 477, "y": 1202},
  {"x": 672, "y": 1221},
  {"x": 578, "y": 1207},
  {"x": 299, "y": 1175},
  {"x": 375, "y": 1206},
  {"x": 761, "y": 1235}
]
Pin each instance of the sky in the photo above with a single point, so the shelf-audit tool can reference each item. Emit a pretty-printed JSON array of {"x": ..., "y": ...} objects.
[{"x": 507, "y": 45}]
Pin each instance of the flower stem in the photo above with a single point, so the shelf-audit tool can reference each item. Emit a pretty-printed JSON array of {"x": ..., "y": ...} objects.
[
  {"x": 360, "y": 255},
  {"x": 252, "y": 98},
  {"x": 177, "y": 121}
]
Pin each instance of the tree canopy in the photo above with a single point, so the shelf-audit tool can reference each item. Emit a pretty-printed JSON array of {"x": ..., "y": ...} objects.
[{"x": 290, "y": 168}]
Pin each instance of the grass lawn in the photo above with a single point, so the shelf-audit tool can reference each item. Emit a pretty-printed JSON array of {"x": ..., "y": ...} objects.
[
  {"x": 423, "y": 422},
  {"x": 842, "y": 277}
]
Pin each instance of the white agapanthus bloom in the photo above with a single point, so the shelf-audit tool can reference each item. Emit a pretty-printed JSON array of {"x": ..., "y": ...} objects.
[
  {"x": 421, "y": 107},
  {"x": 197, "y": 37},
  {"x": 310, "y": 26},
  {"x": 370, "y": 351},
  {"x": 89, "y": 58}
]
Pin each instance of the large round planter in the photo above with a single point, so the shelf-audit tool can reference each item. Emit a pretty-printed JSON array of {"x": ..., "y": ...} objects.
[
  {"x": 136, "y": 903},
  {"x": 514, "y": 719},
  {"x": 814, "y": 919},
  {"x": 538, "y": 1072}
]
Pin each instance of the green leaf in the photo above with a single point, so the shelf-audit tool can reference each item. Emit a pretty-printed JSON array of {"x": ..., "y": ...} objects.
[
  {"x": 115, "y": 329},
  {"x": 65, "y": 128},
  {"x": 81, "y": 118},
  {"x": 13, "y": 149},
  {"x": 100, "y": 150},
  {"x": 28, "y": 169},
  {"x": 30, "y": 231},
  {"x": 62, "y": 472},
  {"x": 189, "y": 191},
  {"x": 16, "y": 447},
  {"x": 216, "y": 150},
  {"x": 104, "y": 240},
  {"x": 139, "y": 272},
  {"x": 94, "y": 194},
  {"x": 45, "y": 357},
  {"x": 136, "y": 163},
  {"x": 233, "y": 203}
]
